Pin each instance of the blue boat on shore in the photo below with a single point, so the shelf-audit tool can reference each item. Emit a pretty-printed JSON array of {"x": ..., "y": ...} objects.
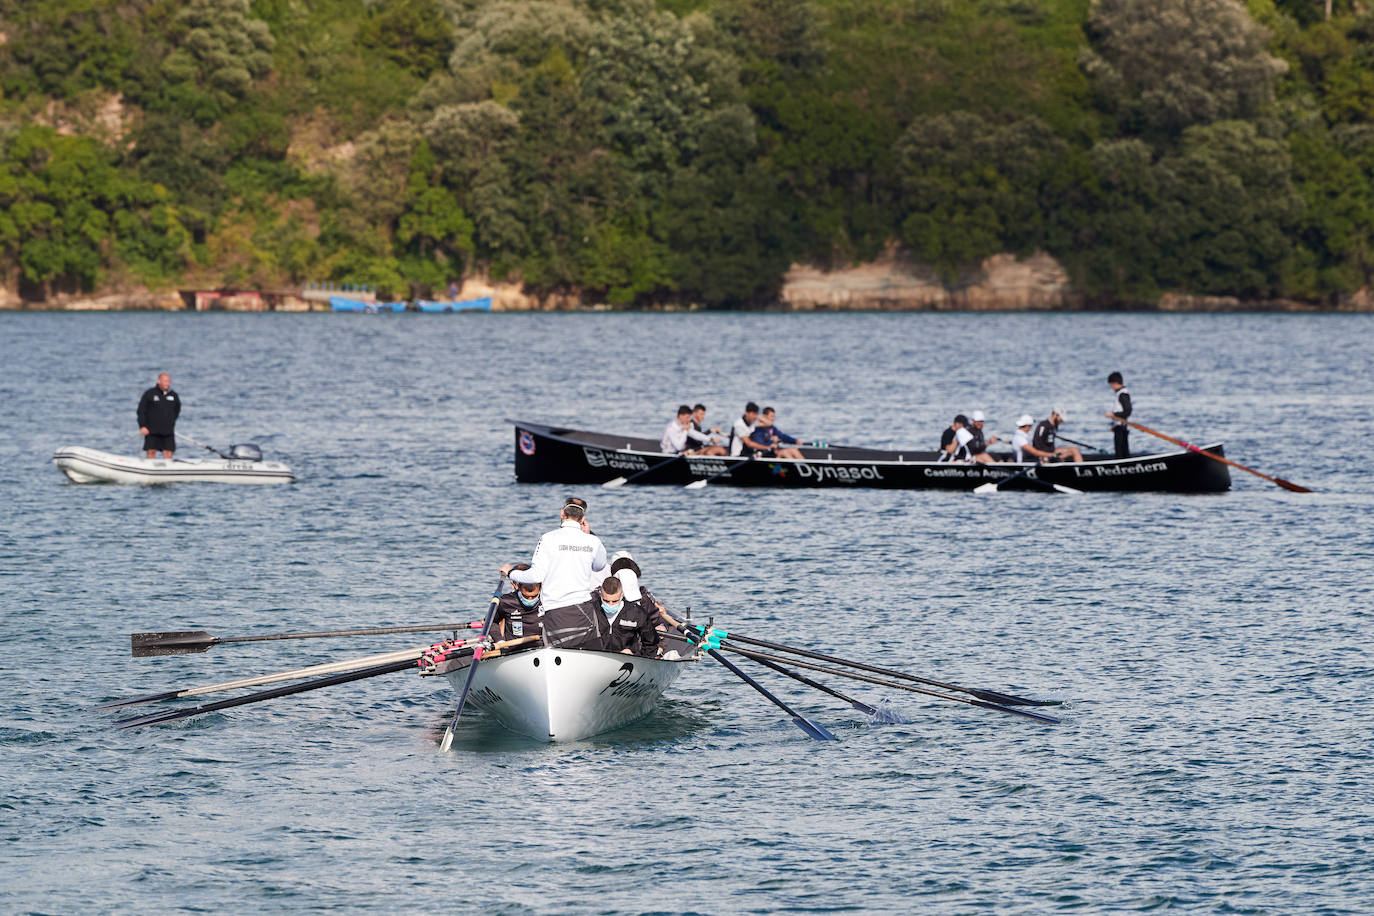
[
  {"x": 466, "y": 305},
  {"x": 344, "y": 304}
]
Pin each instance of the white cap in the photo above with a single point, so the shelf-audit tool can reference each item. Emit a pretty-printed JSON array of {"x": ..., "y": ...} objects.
[
  {"x": 630, "y": 582},
  {"x": 1060, "y": 411},
  {"x": 1025, "y": 420},
  {"x": 621, "y": 554},
  {"x": 976, "y": 416}
]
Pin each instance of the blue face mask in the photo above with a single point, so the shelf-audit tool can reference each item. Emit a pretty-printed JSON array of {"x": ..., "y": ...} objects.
[
  {"x": 610, "y": 610},
  {"x": 528, "y": 602}
]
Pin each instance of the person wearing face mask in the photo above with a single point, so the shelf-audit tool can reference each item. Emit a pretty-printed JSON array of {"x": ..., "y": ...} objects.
[
  {"x": 519, "y": 612},
  {"x": 634, "y": 612},
  {"x": 586, "y": 625},
  {"x": 564, "y": 559}
]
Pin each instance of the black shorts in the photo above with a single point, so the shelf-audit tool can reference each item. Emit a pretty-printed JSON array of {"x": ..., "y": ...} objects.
[{"x": 155, "y": 443}]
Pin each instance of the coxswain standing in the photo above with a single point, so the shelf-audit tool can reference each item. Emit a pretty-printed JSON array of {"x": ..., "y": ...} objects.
[
  {"x": 158, "y": 410},
  {"x": 563, "y": 561},
  {"x": 1120, "y": 431}
]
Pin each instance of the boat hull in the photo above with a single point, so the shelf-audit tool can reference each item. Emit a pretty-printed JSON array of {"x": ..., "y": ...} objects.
[
  {"x": 545, "y": 454},
  {"x": 567, "y": 694},
  {"x": 89, "y": 465}
]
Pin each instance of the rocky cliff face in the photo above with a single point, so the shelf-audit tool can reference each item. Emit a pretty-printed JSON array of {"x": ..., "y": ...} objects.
[{"x": 894, "y": 282}]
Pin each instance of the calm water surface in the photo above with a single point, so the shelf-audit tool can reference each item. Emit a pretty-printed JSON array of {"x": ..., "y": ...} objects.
[{"x": 1212, "y": 651}]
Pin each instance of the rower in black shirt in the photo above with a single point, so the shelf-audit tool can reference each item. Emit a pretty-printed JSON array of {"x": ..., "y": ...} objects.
[
  {"x": 955, "y": 440},
  {"x": 519, "y": 612},
  {"x": 1120, "y": 431},
  {"x": 1043, "y": 444}
]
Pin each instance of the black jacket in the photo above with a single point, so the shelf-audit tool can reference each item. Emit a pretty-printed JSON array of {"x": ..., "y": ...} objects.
[
  {"x": 577, "y": 626},
  {"x": 633, "y": 627},
  {"x": 158, "y": 411},
  {"x": 519, "y": 620}
]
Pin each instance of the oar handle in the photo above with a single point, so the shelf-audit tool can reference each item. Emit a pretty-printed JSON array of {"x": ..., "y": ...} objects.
[{"x": 1279, "y": 481}]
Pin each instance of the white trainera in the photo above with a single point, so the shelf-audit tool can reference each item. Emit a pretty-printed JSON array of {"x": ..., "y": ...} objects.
[
  {"x": 568, "y": 694},
  {"x": 89, "y": 465}
]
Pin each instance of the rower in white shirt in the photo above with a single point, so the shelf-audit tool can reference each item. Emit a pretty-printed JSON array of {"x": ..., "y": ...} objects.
[
  {"x": 1021, "y": 438},
  {"x": 740, "y": 432},
  {"x": 675, "y": 439},
  {"x": 564, "y": 559}
]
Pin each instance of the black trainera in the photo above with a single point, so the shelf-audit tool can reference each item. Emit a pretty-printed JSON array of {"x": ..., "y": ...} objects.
[{"x": 555, "y": 454}]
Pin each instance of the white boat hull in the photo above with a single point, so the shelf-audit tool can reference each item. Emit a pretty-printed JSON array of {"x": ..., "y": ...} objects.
[
  {"x": 89, "y": 465},
  {"x": 567, "y": 694}
]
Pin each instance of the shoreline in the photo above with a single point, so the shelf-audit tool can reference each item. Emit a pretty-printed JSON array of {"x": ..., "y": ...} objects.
[{"x": 890, "y": 283}]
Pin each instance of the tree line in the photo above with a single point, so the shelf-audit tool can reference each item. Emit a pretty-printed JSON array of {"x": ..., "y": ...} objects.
[{"x": 636, "y": 152}]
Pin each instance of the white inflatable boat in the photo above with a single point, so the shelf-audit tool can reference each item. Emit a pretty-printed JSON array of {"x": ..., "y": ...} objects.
[{"x": 243, "y": 464}]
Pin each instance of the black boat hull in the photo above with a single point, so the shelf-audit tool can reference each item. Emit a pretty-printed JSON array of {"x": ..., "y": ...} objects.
[{"x": 545, "y": 454}]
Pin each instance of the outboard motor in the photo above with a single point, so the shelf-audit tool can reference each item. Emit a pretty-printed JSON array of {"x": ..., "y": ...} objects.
[{"x": 245, "y": 451}]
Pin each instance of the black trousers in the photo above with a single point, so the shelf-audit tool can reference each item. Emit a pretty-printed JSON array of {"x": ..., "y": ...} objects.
[{"x": 1121, "y": 434}]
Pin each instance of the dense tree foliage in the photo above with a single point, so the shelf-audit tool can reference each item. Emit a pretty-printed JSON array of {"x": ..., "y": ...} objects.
[{"x": 633, "y": 151}]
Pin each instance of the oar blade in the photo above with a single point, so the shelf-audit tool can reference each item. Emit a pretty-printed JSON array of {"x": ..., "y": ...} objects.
[
  {"x": 138, "y": 701},
  {"x": 1006, "y": 699},
  {"x": 613, "y": 484},
  {"x": 155, "y": 718},
  {"x": 143, "y": 645},
  {"x": 986, "y": 488},
  {"x": 1289, "y": 485},
  {"x": 697, "y": 484},
  {"x": 818, "y": 732},
  {"x": 1061, "y": 488},
  {"x": 1036, "y": 716}
]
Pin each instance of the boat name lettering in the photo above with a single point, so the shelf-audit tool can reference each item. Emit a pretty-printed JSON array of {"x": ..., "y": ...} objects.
[
  {"x": 238, "y": 466},
  {"x": 1107, "y": 470},
  {"x": 945, "y": 472},
  {"x": 700, "y": 468},
  {"x": 841, "y": 472},
  {"x": 622, "y": 686},
  {"x": 598, "y": 459},
  {"x": 484, "y": 697}
]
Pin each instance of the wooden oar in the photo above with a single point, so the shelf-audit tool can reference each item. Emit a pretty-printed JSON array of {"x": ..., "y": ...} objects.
[
  {"x": 698, "y": 484},
  {"x": 350, "y": 664},
  {"x": 991, "y": 696},
  {"x": 447, "y": 741},
  {"x": 374, "y": 671},
  {"x": 175, "y": 714},
  {"x": 981, "y": 704},
  {"x": 191, "y": 642},
  {"x": 621, "y": 481},
  {"x": 1286, "y": 484},
  {"x": 881, "y": 715}
]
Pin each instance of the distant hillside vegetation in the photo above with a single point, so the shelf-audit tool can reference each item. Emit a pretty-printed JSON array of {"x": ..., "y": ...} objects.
[{"x": 687, "y": 150}]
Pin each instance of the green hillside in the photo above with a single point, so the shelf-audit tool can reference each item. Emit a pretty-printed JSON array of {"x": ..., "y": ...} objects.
[{"x": 686, "y": 150}]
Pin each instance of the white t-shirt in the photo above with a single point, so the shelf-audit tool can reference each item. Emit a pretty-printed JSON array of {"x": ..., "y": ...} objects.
[
  {"x": 1019, "y": 440},
  {"x": 563, "y": 561},
  {"x": 674, "y": 439},
  {"x": 739, "y": 433},
  {"x": 962, "y": 437}
]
